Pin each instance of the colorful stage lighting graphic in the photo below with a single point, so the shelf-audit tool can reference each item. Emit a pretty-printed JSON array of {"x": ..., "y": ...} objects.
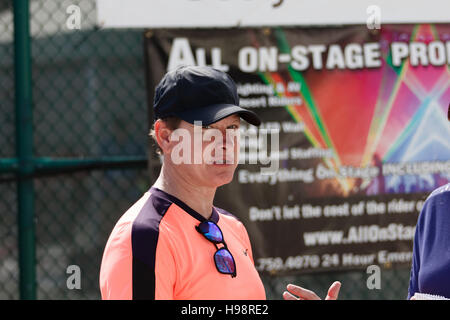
[{"x": 372, "y": 117}]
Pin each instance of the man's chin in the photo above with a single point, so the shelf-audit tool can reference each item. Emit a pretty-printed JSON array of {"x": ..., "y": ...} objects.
[{"x": 222, "y": 178}]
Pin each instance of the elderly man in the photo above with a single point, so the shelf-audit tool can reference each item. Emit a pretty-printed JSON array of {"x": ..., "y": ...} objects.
[{"x": 174, "y": 243}]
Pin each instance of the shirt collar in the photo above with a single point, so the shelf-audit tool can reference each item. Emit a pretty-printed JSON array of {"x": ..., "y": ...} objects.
[{"x": 164, "y": 195}]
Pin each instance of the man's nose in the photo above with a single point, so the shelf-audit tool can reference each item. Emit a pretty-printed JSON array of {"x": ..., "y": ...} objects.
[{"x": 230, "y": 138}]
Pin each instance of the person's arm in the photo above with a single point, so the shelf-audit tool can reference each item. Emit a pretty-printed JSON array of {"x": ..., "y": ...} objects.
[
  {"x": 427, "y": 210},
  {"x": 415, "y": 265}
]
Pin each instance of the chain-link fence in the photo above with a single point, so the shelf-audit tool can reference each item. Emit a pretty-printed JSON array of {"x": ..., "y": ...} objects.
[
  {"x": 8, "y": 222},
  {"x": 89, "y": 102}
]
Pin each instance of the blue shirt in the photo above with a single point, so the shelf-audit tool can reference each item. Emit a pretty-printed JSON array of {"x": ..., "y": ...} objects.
[{"x": 430, "y": 272}]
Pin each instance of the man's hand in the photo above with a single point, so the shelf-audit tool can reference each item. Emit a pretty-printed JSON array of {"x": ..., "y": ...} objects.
[{"x": 298, "y": 293}]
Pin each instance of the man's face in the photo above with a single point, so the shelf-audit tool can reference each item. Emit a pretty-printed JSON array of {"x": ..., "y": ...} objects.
[{"x": 206, "y": 156}]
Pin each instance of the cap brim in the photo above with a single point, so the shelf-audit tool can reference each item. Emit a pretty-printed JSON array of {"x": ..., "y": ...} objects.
[{"x": 213, "y": 113}]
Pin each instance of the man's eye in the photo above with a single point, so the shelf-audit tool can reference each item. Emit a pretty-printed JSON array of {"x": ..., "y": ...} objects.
[
  {"x": 207, "y": 127},
  {"x": 233, "y": 126}
]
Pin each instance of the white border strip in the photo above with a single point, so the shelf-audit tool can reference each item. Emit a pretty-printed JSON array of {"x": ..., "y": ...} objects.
[{"x": 251, "y": 13}]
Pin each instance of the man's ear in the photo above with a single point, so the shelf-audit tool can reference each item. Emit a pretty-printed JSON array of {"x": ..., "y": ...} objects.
[{"x": 162, "y": 135}]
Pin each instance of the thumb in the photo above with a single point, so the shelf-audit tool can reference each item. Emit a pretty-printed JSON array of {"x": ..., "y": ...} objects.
[{"x": 333, "y": 292}]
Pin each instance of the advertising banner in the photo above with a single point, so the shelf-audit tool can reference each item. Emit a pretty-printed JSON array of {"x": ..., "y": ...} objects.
[{"x": 354, "y": 136}]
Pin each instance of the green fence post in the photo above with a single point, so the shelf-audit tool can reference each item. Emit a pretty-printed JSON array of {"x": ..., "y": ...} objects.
[{"x": 24, "y": 150}]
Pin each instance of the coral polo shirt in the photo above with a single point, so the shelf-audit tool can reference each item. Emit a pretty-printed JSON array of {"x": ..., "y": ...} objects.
[{"x": 155, "y": 252}]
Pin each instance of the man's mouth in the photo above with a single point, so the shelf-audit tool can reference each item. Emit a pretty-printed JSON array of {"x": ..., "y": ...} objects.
[{"x": 222, "y": 162}]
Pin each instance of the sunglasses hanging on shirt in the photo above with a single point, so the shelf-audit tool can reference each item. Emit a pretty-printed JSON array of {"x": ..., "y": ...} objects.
[{"x": 223, "y": 258}]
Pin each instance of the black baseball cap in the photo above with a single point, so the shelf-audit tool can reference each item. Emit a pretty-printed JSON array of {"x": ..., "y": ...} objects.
[{"x": 196, "y": 93}]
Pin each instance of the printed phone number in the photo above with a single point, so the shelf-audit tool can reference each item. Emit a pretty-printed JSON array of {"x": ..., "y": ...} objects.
[{"x": 298, "y": 262}]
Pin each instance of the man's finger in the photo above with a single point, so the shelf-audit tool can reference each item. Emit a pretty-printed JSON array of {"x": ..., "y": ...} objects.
[
  {"x": 288, "y": 296},
  {"x": 333, "y": 292},
  {"x": 302, "y": 293}
]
